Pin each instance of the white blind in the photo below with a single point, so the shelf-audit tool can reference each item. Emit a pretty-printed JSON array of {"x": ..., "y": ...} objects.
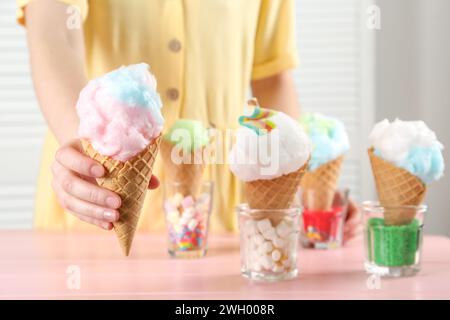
[
  {"x": 21, "y": 125},
  {"x": 329, "y": 81}
]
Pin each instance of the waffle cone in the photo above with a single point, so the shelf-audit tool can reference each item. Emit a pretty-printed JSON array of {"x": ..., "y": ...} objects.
[
  {"x": 277, "y": 193},
  {"x": 396, "y": 187},
  {"x": 130, "y": 181},
  {"x": 319, "y": 186},
  {"x": 186, "y": 176}
]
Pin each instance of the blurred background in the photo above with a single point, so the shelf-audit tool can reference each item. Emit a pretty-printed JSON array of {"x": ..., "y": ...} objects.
[{"x": 348, "y": 70}]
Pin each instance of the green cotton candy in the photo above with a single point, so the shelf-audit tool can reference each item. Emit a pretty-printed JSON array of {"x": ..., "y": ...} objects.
[
  {"x": 392, "y": 246},
  {"x": 328, "y": 136},
  {"x": 190, "y": 134},
  {"x": 313, "y": 122}
]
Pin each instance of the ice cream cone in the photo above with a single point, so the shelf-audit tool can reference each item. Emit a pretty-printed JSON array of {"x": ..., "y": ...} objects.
[
  {"x": 130, "y": 181},
  {"x": 277, "y": 193},
  {"x": 396, "y": 187},
  {"x": 319, "y": 186},
  {"x": 187, "y": 176}
]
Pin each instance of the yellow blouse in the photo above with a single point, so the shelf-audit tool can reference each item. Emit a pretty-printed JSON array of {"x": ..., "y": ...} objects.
[{"x": 204, "y": 55}]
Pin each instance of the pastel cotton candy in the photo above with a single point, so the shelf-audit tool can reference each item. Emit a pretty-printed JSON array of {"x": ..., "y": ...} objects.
[
  {"x": 268, "y": 154},
  {"x": 120, "y": 112},
  {"x": 190, "y": 134},
  {"x": 410, "y": 145},
  {"x": 328, "y": 136}
]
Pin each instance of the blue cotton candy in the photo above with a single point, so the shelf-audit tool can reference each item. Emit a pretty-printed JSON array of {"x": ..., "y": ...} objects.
[
  {"x": 328, "y": 136},
  {"x": 133, "y": 86},
  {"x": 410, "y": 145},
  {"x": 426, "y": 163},
  {"x": 120, "y": 112}
]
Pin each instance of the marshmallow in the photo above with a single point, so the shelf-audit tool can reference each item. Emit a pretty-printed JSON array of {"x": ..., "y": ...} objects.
[
  {"x": 184, "y": 220},
  {"x": 250, "y": 224},
  {"x": 280, "y": 243},
  {"x": 263, "y": 225},
  {"x": 176, "y": 199},
  {"x": 267, "y": 246},
  {"x": 284, "y": 228},
  {"x": 188, "y": 202},
  {"x": 269, "y": 234},
  {"x": 188, "y": 213},
  {"x": 173, "y": 216},
  {"x": 276, "y": 255},
  {"x": 250, "y": 227},
  {"x": 258, "y": 239},
  {"x": 261, "y": 250},
  {"x": 266, "y": 262},
  {"x": 168, "y": 206}
]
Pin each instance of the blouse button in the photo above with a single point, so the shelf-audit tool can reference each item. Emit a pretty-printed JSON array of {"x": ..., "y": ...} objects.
[
  {"x": 174, "y": 45},
  {"x": 173, "y": 94}
]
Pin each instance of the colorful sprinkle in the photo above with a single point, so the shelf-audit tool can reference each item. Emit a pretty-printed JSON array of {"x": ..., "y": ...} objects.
[{"x": 187, "y": 224}]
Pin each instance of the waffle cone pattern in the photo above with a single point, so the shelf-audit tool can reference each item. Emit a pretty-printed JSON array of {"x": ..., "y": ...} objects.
[
  {"x": 187, "y": 176},
  {"x": 319, "y": 186},
  {"x": 396, "y": 187},
  {"x": 277, "y": 193},
  {"x": 130, "y": 181}
]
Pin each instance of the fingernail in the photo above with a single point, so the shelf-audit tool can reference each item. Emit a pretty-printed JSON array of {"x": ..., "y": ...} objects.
[
  {"x": 112, "y": 202},
  {"x": 108, "y": 227},
  {"x": 110, "y": 216},
  {"x": 97, "y": 171}
]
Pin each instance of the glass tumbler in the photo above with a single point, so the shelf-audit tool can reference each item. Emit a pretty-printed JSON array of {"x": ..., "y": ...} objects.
[
  {"x": 393, "y": 238},
  {"x": 269, "y": 242},
  {"x": 187, "y": 218},
  {"x": 323, "y": 218}
]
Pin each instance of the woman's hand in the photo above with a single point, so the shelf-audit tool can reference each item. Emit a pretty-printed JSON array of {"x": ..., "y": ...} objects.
[
  {"x": 74, "y": 183},
  {"x": 352, "y": 226}
]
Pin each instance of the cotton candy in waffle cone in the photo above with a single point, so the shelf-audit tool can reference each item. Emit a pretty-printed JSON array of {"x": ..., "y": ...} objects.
[
  {"x": 130, "y": 181},
  {"x": 185, "y": 177},
  {"x": 319, "y": 185},
  {"x": 278, "y": 193},
  {"x": 396, "y": 187}
]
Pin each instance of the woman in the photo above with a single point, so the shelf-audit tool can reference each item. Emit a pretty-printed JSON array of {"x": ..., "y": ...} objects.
[{"x": 205, "y": 54}]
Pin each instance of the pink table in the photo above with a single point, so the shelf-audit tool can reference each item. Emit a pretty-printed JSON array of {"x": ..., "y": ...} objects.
[{"x": 34, "y": 265}]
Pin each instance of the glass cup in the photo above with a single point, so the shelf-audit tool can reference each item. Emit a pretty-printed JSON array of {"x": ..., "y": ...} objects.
[
  {"x": 187, "y": 218},
  {"x": 323, "y": 218},
  {"x": 393, "y": 238},
  {"x": 269, "y": 241}
]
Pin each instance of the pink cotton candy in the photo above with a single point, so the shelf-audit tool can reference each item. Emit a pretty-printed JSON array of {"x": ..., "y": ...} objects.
[{"x": 114, "y": 122}]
